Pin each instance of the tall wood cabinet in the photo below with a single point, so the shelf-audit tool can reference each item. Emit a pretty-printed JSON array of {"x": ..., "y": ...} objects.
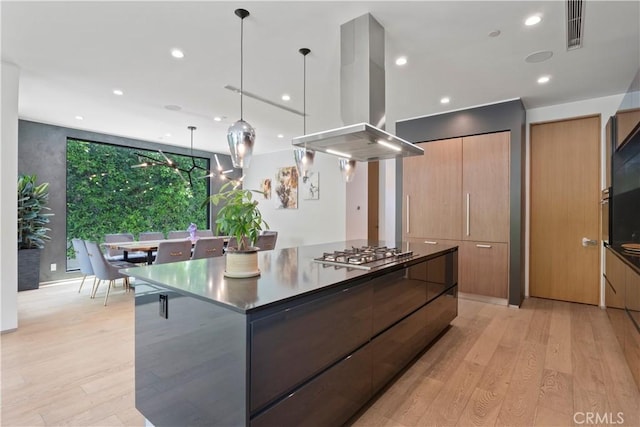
[{"x": 459, "y": 192}]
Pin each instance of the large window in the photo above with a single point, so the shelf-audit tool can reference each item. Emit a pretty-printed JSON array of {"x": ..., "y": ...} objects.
[{"x": 106, "y": 195}]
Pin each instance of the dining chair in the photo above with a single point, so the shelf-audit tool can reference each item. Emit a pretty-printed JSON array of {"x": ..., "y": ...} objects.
[
  {"x": 233, "y": 243},
  {"x": 104, "y": 270},
  {"x": 118, "y": 254},
  {"x": 173, "y": 251},
  {"x": 178, "y": 235},
  {"x": 205, "y": 233},
  {"x": 267, "y": 240},
  {"x": 208, "y": 247},
  {"x": 150, "y": 235},
  {"x": 83, "y": 259}
]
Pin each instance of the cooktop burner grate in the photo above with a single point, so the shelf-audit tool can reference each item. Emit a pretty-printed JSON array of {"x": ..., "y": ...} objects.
[{"x": 360, "y": 257}]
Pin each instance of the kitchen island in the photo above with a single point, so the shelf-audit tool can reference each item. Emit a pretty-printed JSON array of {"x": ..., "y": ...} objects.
[{"x": 305, "y": 343}]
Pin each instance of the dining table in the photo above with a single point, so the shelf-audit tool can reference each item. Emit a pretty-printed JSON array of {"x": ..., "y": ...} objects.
[{"x": 148, "y": 246}]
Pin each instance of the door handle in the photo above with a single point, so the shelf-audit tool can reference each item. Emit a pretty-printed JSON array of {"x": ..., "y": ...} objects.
[{"x": 588, "y": 242}]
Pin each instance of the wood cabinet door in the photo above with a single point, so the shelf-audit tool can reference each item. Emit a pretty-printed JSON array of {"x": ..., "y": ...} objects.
[
  {"x": 614, "y": 272},
  {"x": 432, "y": 185},
  {"x": 607, "y": 153},
  {"x": 626, "y": 122},
  {"x": 484, "y": 269},
  {"x": 485, "y": 187}
]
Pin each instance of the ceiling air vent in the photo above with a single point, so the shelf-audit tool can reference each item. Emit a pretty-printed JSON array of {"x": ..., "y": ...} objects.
[{"x": 575, "y": 23}]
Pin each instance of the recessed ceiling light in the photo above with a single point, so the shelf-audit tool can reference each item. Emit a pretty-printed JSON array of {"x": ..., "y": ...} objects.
[
  {"x": 445, "y": 100},
  {"x": 217, "y": 119},
  {"x": 532, "y": 20},
  {"x": 118, "y": 92},
  {"x": 544, "y": 79},
  {"x": 286, "y": 97},
  {"x": 280, "y": 135},
  {"x": 168, "y": 135},
  {"x": 79, "y": 118},
  {"x": 401, "y": 61},
  {"x": 177, "y": 53}
]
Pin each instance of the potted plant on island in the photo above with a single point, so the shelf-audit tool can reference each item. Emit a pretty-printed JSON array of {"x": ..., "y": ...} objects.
[
  {"x": 32, "y": 229},
  {"x": 239, "y": 217}
]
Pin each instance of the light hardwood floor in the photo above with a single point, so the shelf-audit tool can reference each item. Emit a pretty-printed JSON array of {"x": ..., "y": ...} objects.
[{"x": 71, "y": 363}]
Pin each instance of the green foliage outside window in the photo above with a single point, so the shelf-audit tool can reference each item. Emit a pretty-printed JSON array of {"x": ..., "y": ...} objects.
[{"x": 105, "y": 195}]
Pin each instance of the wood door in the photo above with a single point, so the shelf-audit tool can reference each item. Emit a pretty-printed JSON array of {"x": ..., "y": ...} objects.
[
  {"x": 565, "y": 195},
  {"x": 485, "y": 187},
  {"x": 433, "y": 183}
]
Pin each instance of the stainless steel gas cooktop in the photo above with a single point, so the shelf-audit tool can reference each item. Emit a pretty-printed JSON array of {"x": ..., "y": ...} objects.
[{"x": 364, "y": 258}]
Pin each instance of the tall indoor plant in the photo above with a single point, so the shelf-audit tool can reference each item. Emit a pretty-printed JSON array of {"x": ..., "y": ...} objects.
[
  {"x": 239, "y": 217},
  {"x": 32, "y": 229}
]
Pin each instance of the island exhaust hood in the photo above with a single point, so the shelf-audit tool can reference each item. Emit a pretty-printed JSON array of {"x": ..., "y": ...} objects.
[
  {"x": 362, "y": 142},
  {"x": 362, "y": 100}
]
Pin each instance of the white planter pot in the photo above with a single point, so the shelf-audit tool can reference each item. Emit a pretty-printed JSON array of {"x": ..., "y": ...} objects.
[{"x": 242, "y": 263}]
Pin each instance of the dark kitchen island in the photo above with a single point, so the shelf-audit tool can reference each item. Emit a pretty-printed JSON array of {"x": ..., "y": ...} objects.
[{"x": 303, "y": 344}]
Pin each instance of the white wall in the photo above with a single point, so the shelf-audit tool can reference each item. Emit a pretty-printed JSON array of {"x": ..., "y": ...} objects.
[
  {"x": 315, "y": 221},
  {"x": 8, "y": 214},
  {"x": 606, "y": 107},
  {"x": 356, "y": 215}
]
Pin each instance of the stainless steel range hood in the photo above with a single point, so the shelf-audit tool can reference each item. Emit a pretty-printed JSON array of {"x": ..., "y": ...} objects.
[
  {"x": 362, "y": 142},
  {"x": 362, "y": 100}
]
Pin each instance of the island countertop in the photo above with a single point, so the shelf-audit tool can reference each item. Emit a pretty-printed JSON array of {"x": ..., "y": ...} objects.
[{"x": 285, "y": 274}]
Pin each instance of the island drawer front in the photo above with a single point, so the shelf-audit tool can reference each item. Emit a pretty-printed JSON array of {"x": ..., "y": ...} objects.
[
  {"x": 397, "y": 346},
  {"x": 442, "y": 274},
  {"x": 397, "y": 294},
  {"x": 290, "y": 346},
  {"x": 328, "y": 400},
  {"x": 441, "y": 312},
  {"x": 394, "y": 348}
]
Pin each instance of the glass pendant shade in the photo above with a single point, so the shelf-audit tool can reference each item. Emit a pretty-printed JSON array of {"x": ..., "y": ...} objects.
[
  {"x": 348, "y": 169},
  {"x": 241, "y": 137},
  {"x": 304, "y": 160}
]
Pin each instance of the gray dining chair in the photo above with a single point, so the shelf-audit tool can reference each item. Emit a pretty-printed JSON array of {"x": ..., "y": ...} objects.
[
  {"x": 267, "y": 240},
  {"x": 150, "y": 235},
  {"x": 83, "y": 260},
  {"x": 178, "y": 235},
  {"x": 173, "y": 251},
  {"x": 105, "y": 270},
  {"x": 208, "y": 247},
  {"x": 233, "y": 243},
  {"x": 118, "y": 254},
  {"x": 205, "y": 233}
]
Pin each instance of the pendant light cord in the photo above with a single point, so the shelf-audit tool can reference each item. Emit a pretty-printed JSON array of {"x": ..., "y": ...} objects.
[
  {"x": 241, "y": 63},
  {"x": 304, "y": 94}
]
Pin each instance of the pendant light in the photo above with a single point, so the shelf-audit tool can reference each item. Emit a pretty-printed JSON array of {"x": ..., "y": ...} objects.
[
  {"x": 167, "y": 162},
  {"x": 303, "y": 156},
  {"x": 241, "y": 134},
  {"x": 347, "y": 168}
]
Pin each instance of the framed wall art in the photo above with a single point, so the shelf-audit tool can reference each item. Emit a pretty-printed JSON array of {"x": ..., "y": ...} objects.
[{"x": 286, "y": 187}]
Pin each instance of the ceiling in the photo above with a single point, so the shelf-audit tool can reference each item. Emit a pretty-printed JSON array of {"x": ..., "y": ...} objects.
[{"x": 72, "y": 55}]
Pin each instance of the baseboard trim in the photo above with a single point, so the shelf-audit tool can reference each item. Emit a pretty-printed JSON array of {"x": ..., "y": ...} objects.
[{"x": 483, "y": 298}]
